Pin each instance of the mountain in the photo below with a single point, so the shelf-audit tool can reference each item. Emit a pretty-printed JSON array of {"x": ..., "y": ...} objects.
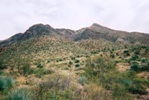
[
  {"x": 11, "y": 40},
  {"x": 67, "y": 33},
  {"x": 95, "y": 31},
  {"x": 38, "y": 30},
  {"x": 91, "y": 63}
]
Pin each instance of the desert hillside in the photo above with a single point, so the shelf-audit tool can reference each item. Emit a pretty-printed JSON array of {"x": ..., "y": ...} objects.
[{"x": 91, "y": 63}]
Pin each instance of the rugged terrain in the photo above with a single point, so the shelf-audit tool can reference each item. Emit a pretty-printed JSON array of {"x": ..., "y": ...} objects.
[{"x": 92, "y": 63}]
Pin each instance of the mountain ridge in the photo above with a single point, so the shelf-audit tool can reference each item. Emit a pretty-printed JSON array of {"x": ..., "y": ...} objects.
[{"x": 95, "y": 31}]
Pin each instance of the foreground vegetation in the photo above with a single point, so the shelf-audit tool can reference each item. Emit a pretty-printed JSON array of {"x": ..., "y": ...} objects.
[{"x": 63, "y": 70}]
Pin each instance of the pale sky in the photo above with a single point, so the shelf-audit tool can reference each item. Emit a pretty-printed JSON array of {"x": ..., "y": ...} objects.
[{"x": 18, "y": 15}]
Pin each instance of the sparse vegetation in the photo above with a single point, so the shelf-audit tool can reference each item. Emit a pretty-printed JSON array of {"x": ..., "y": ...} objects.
[{"x": 92, "y": 68}]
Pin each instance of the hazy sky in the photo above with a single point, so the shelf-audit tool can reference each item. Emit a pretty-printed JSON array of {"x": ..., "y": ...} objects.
[{"x": 18, "y": 15}]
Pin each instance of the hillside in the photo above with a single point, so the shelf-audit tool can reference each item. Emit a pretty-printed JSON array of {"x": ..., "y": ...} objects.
[{"x": 91, "y": 63}]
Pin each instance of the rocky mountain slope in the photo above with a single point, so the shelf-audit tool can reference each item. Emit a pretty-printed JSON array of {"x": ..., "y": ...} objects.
[{"x": 95, "y": 31}]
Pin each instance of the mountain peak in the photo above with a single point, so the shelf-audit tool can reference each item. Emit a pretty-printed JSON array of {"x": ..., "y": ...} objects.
[
  {"x": 39, "y": 26},
  {"x": 96, "y": 25},
  {"x": 38, "y": 30}
]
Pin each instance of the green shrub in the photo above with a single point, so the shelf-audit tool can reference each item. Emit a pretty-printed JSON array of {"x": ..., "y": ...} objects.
[
  {"x": 126, "y": 52},
  {"x": 58, "y": 60},
  {"x": 39, "y": 72},
  {"x": 18, "y": 94},
  {"x": 26, "y": 68},
  {"x": 144, "y": 67},
  {"x": 136, "y": 88},
  {"x": 134, "y": 57},
  {"x": 143, "y": 60},
  {"x": 6, "y": 83},
  {"x": 70, "y": 62},
  {"x": 136, "y": 52},
  {"x": 112, "y": 55},
  {"x": 39, "y": 66},
  {"x": 77, "y": 65},
  {"x": 2, "y": 65},
  {"x": 148, "y": 63},
  {"x": 77, "y": 61},
  {"x": 73, "y": 58},
  {"x": 117, "y": 54},
  {"x": 135, "y": 66},
  {"x": 48, "y": 61},
  {"x": 1, "y": 72},
  {"x": 94, "y": 52}
]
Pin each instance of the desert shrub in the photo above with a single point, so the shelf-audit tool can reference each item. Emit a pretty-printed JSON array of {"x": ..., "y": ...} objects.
[
  {"x": 59, "y": 59},
  {"x": 6, "y": 83},
  {"x": 101, "y": 55},
  {"x": 94, "y": 52},
  {"x": 73, "y": 58},
  {"x": 83, "y": 80},
  {"x": 148, "y": 63},
  {"x": 55, "y": 86},
  {"x": 91, "y": 92},
  {"x": 70, "y": 62},
  {"x": 137, "y": 88},
  {"x": 19, "y": 94},
  {"x": 1, "y": 72},
  {"x": 134, "y": 57},
  {"x": 26, "y": 68},
  {"x": 144, "y": 67},
  {"x": 143, "y": 60},
  {"x": 112, "y": 55},
  {"x": 48, "y": 61},
  {"x": 135, "y": 66},
  {"x": 126, "y": 52},
  {"x": 117, "y": 54},
  {"x": 39, "y": 65},
  {"x": 137, "y": 52},
  {"x": 77, "y": 65},
  {"x": 112, "y": 49},
  {"x": 77, "y": 61},
  {"x": 2, "y": 65},
  {"x": 39, "y": 72}
]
